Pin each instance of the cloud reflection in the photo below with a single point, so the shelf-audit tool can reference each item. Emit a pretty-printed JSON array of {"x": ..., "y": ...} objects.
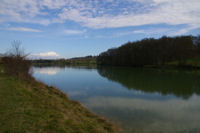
[
  {"x": 142, "y": 115},
  {"x": 47, "y": 71}
]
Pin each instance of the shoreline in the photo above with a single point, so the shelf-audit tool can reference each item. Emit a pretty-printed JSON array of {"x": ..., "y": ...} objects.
[{"x": 37, "y": 107}]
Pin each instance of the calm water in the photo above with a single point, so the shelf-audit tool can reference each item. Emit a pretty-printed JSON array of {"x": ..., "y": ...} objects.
[{"x": 140, "y": 100}]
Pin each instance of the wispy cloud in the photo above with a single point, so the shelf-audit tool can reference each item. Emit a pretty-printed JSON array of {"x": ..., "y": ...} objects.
[
  {"x": 149, "y": 31},
  {"x": 184, "y": 30},
  {"x": 97, "y": 14},
  {"x": 146, "y": 32},
  {"x": 22, "y": 29},
  {"x": 157, "y": 11},
  {"x": 73, "y": 32}
]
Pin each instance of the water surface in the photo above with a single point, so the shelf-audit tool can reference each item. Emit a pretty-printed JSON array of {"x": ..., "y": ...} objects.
[{"x": 139, "y": 100}]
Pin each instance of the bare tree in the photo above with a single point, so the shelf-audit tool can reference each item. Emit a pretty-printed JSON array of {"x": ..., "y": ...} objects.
[
  {"x": 15, "y": 61},
  {"x": 16, "y": 50}
]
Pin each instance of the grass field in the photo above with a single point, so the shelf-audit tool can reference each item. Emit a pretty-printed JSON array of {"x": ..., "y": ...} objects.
[
  {"x": 33, "y": 107},
  {"x": 194, "y": 62}
]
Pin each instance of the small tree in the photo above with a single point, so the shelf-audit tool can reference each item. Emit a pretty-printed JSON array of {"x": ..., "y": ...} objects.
[
  {"x": 16, "y": 50},
  {"x": 15, "y": 62}
]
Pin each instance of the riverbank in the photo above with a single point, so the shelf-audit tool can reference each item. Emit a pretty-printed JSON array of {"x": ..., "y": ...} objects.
[
  {"x": 78, "y": 61},
  {"x": 31, "y": 106},
  {"x": 189, "y": 64}
]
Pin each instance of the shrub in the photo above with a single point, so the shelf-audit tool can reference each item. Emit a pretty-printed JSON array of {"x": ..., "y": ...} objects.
[{"x": 15, "y": 62}]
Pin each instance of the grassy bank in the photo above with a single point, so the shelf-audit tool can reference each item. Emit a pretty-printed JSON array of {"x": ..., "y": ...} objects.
[
  {"x": 30, "y": 106},
  {"x": 189, "y": 63}
]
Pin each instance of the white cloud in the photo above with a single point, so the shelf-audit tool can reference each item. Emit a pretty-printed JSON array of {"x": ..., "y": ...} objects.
[
  {"x": 22, "y": 29},
  {"x": 53, "y": 4},
  {"x": 45, "y": 55},
  {"x": 74, "y": 32},
  {"x": 49, "y": 54},
  {"x": 103, "y": 14},
  {"x": 164, "y": 11}
]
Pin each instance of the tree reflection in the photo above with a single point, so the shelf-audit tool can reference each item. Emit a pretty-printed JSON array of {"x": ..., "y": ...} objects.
[{"x": 177, "y": 82}]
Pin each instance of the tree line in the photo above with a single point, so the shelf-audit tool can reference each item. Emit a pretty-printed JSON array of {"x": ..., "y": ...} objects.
[
  {"x": 150, "y": 51},
  {"x": 87, "y": 60}
]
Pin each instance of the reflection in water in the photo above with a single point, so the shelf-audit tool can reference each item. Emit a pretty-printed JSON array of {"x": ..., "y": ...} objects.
[
  {"x": 141, "y": 101},
  {"x": 47, "y": 70},
  {"x": 178, "y": 83},
  {"x": 150, "y": 116}
]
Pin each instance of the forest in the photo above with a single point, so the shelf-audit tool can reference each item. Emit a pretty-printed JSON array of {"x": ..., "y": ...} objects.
[{"x": 154, "y": 52}]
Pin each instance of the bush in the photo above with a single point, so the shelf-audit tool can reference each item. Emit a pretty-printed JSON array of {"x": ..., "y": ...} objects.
[{"x": 15, "y": 62}]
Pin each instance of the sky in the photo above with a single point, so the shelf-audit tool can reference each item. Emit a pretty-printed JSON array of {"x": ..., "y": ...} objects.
[{"x": 74, "y": 28}]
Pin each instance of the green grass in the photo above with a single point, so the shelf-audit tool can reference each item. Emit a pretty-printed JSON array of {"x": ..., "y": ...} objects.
[
  {"x": 34, "y": 107},
  {"x": 91, "y": 61},
  {"x": 194, "y": 62}
]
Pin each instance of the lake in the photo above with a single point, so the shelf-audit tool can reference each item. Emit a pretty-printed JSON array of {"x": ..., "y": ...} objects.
[{"x": 139, "y": 100}]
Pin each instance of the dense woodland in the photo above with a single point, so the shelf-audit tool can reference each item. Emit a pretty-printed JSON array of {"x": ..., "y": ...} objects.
[{"x": 153, "y": 52}]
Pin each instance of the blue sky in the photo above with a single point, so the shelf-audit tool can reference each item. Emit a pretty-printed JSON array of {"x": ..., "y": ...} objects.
[{"x": 71, "y": 28}]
